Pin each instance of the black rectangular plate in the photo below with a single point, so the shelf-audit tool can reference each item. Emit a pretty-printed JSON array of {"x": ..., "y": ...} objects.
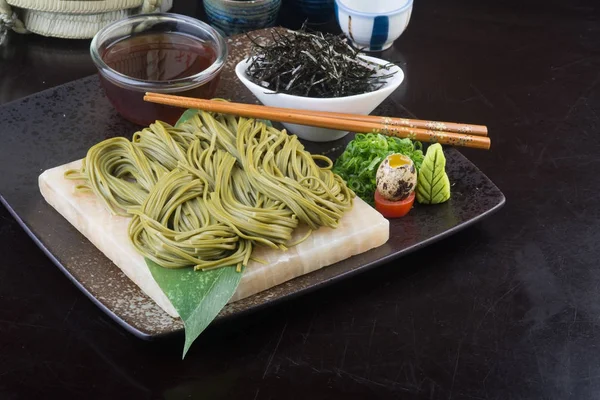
[{"x": 57, "y": 126}]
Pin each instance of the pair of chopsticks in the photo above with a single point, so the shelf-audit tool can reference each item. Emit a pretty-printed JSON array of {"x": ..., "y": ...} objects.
[{"x": 448, "y": 133}]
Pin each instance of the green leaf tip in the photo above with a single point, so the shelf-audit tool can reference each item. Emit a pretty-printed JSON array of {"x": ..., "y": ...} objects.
[
  {"x": 198, "y": 296},
  {"x": 433, "y": 185},
  {"x": 189, "y": 113}
]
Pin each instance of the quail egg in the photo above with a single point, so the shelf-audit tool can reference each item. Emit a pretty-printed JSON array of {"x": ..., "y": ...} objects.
[{"x": 396, "y": 177}]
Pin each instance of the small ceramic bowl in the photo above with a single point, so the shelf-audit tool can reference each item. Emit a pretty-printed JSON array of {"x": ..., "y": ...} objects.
[
  {"x": 235, "y": 16},
  {"x": 373, "y": 25},
  {"x": 125, "y": 85},
  {"x": 358, "y": 104}
]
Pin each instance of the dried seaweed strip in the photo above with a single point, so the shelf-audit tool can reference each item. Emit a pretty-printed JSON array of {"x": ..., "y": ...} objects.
[{"x": 313, "y": 65}]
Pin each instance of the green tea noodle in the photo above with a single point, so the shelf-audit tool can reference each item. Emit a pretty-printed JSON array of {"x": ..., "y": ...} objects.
[
  {"x": 277, "y": 166},
  {"x": 205, "y": 193},
  {"x": 119, "y": 173},
  {"x": 174, "y": 228}
]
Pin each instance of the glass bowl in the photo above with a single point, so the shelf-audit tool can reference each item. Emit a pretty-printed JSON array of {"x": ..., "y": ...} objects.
[{"x": 162, "y": 53}]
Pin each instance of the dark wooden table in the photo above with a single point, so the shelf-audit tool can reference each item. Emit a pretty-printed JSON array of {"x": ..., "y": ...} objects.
[{"x": 508, "y": 309}]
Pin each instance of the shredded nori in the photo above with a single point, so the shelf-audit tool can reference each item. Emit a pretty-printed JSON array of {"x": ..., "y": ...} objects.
[{"x": 308, "y": 64}]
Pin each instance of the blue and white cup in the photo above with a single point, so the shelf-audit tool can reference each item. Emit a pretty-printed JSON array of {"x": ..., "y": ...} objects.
[{"x": 373, "y": 25}]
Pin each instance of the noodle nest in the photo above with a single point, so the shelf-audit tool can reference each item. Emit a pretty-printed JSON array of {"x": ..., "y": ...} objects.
[{"x": 206, "y": 192}]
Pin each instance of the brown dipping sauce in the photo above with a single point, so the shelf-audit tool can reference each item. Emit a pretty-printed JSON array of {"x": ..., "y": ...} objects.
[{"x": 156, "y": 57}]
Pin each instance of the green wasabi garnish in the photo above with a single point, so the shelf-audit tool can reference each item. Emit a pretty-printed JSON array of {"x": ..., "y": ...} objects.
[{"x": 433, "y": 185}]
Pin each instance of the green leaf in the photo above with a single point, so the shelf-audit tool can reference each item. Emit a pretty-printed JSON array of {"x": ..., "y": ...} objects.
[
  {"x": 433, "y": 185},
  {"x": 198, "y": 296},
  {"x": 189, "y": 113}
]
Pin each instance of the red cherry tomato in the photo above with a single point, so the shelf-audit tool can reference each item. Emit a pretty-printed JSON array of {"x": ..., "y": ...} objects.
[{"x": 393, "y": 209}]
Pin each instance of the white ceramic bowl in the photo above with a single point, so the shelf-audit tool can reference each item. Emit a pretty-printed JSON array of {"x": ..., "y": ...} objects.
[
  {"x": 358, "y": 104},
  {"x": 373, "y": 25}
]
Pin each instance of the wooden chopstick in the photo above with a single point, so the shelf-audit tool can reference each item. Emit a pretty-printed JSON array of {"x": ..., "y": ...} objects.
[
  {"x": 353, "y": 123},
  {"x": 477, "y": 130}
]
